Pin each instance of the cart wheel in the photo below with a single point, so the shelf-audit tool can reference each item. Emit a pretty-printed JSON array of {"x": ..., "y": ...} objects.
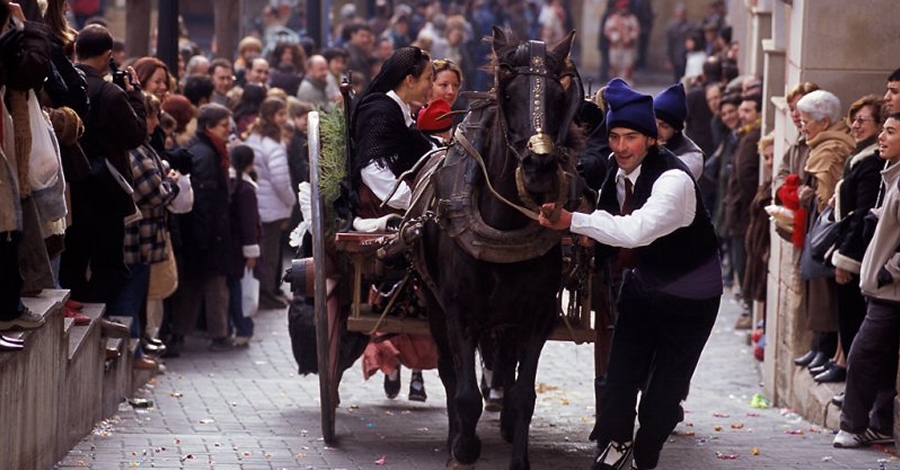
[{"x": 326, "y": 308}]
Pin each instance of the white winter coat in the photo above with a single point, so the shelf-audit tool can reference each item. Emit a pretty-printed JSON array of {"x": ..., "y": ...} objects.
[{"x": 275, "y": 195}]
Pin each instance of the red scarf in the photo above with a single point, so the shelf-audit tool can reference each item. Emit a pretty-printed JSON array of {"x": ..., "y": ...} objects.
[{"x": 220, "y": 147}]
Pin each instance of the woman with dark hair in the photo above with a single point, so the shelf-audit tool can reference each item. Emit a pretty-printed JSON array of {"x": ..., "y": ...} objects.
[
  {"x": 275, "y": 195},
  {"x": 206, "y": 234},
  {"x": 855, "y": 195},
  {"x": 387, "y": 144},
  {"x": 65, "y": 87},
  {"x": 153, "y": 75},
  {"x": 247, "y": 107},
  {"x": 288, "y": 67}
]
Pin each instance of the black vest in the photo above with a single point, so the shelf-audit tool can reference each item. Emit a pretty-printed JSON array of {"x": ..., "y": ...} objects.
[{"x": 678, "y": 253}]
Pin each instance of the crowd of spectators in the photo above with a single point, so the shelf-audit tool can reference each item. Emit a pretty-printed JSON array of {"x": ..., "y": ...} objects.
[{"x": 155, "y": 191}]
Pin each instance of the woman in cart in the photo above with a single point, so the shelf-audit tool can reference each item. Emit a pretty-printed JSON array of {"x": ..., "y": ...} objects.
[{"x": 386, "y": 144}]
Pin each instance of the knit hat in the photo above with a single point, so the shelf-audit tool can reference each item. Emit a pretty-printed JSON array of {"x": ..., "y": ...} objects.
[
  {"x": 435, "y": 117},
  {"x": 670, "y": 105},
  {"x": 629, "y": 109}
]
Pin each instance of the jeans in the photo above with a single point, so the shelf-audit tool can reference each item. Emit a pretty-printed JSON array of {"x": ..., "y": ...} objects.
[
  {"x": 242, "y": 326},
  {"x": 131, "y": 298}
]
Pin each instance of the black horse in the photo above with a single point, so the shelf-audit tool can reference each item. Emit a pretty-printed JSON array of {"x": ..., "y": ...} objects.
[{"x": 488, "y": 265}]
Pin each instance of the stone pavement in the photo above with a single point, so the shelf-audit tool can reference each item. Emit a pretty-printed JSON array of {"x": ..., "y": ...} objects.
[{"x": 249, "y": 409}]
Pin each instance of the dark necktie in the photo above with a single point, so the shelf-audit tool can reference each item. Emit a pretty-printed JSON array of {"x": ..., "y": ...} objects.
[{"x": 625, "y": 260}]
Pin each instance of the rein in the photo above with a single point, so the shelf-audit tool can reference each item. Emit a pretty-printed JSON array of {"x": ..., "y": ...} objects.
[{"x": 532, "y": 210}]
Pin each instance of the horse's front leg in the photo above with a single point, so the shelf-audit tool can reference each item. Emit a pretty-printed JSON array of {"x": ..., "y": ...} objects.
[
  {"x": 466, "y": 446},
  {"x": 518, "y": 407}
]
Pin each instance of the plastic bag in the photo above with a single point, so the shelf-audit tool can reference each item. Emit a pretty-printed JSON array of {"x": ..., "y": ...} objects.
[
  {"x": 44, "y": 163},
  {"x": 249, "y": 293},
  {"x": 184, "y": 200}
]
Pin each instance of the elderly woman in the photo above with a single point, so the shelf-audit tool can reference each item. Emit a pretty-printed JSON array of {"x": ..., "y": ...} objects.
[
  {"x": 822, "y": 124},
  {"x": 205, "y": 233},
  {"x": 855, "y": 195}
]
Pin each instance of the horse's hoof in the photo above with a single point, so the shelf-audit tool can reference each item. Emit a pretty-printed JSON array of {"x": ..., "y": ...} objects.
[{"x": 454, "y": 465}]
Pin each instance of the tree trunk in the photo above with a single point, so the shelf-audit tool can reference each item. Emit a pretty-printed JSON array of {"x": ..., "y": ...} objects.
[{"x": 226, "y": 18}]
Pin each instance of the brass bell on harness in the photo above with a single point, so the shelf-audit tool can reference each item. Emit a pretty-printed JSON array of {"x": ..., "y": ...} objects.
[{"x": 540, "y": 144}]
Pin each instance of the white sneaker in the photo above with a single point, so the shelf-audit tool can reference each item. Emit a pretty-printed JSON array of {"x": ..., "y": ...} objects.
[{"x": 849, "y": 440}]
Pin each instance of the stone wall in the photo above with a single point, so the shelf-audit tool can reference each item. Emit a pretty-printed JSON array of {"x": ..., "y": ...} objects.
[{"x": 850, "y": 52}]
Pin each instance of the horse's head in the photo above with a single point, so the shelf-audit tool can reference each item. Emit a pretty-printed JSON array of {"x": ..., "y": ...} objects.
[{"x": 538, "y": 93}]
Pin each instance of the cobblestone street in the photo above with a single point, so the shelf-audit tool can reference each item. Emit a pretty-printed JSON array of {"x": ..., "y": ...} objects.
[{"x": 249, "y": 409}]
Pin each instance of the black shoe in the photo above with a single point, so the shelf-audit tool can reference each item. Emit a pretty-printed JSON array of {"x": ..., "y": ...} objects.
[
  {"x": 818, "y": 370},
  {"x": 805, "y": 359},
  {"x": 221, "y": 345},
  {"x": 838, "y": 400},
  {"x": 614, "y": 457},
  {"x": 417, "y": 387},
  {"x": 174, "y": 344},
  {"x": 392, "y": 387},
  {"x": 834, "y": 374},
  {"x": 820, "y": 360}
]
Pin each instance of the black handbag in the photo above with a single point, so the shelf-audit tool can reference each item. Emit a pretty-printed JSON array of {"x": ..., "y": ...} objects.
[
  {"x": 116, "y": 193},
  {"x": 815, "y": 260}
]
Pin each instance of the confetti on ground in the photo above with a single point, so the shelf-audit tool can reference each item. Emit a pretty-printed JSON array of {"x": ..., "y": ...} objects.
[
  {"x": 564, "y": 401},
  {"x": 754, "y": 451},
  {"x": 380, "y": 461},
  {"x": 796, "y": 432},
  {"x": 689, "y": 433},
  {"x": 827, "y": 458},
  {"x": 717, "y": 427},
  {"x": 737, "y": 426},
  {"x": 753, "y": 415},
  {"x": 370, "y": 425},
  {"x": 721, "y": 456},
  {"x": 206, "y": 421},
  {"x": 176, "y": 394},
  {"x": 187, "y": 457},
  {"x": 759, "y": 401},
  {"x": 720, "y": 415}
]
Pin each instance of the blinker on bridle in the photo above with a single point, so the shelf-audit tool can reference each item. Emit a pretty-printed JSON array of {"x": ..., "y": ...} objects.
[{"x": 540, "y": 143}]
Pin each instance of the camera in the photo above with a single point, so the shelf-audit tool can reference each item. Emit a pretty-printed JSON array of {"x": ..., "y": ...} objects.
[{"x": 118, "y": 76}]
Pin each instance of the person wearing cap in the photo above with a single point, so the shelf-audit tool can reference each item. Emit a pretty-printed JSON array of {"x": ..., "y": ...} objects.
[
  {"x": 670, "y": 106},
  {"x": 652, "y": 221}
]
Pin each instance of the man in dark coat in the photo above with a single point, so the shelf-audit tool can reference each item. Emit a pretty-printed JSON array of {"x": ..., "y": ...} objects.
[
  {"x": 651, "y": 219},
  {"x": 740, "y": 191},
  {"x": 115, "y": 124}
]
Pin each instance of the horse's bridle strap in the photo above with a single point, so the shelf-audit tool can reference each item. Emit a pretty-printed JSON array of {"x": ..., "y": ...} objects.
[{"x": 461, "y": 138}]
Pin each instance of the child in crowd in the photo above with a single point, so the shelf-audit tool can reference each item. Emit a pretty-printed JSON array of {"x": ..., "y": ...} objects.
[{"x": 245, "y": 234}]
